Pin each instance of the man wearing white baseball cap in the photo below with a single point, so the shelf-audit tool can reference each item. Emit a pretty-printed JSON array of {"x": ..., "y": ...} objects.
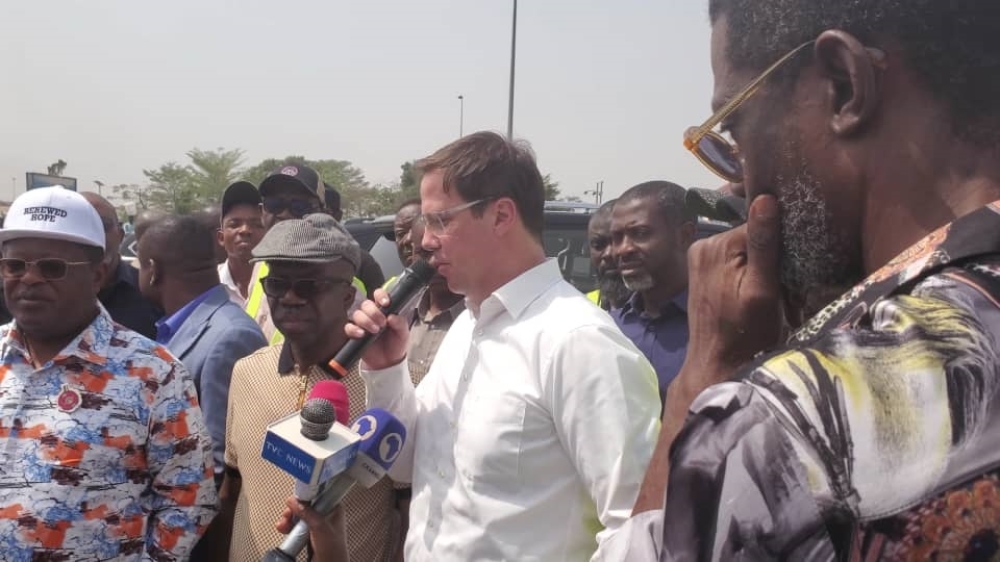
[{"x": 106, "y": 455}]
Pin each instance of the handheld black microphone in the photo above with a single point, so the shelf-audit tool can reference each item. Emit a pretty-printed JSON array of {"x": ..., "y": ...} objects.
[{"x": 413, "y": 279}]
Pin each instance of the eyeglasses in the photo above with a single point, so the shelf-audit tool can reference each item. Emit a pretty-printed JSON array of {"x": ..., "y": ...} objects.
[
  {"x": 712, "y": 149},
  {"x": 297, "y": 207},
  {"x": 278, "y": 287},
  {"x": 51, "y": 269},
  {"x": 437, "y": 222}
]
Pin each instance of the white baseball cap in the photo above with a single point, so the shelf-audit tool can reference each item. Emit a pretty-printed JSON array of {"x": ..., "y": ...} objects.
[{"x": 55, "y": 213}]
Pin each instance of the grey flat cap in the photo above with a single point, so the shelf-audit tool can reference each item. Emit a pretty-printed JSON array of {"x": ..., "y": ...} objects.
[{"x": 316, "y": 238}]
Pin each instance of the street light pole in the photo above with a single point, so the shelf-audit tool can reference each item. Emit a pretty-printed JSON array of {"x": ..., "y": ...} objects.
[
  {"x": 461, "y": 116},
  {"x": 513, "y": 52}
]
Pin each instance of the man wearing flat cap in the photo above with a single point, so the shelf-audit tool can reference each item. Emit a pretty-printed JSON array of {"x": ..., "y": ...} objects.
[{"x": 311, "y": 263}]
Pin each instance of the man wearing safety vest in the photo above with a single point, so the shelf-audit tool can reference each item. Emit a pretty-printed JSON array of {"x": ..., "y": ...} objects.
[
  {"x": 610, "y": 292},
  {"x": 290, "y": 192}
]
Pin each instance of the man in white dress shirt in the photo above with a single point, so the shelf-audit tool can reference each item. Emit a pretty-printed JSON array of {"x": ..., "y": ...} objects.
[
  {"x": 239, "y": 232},
  {"x": 529, "y": 436}
]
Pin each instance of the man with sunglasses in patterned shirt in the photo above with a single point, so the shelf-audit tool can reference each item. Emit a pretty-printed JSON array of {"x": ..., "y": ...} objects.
[
  {"x": 869, "y": 135},
  {"x": 105, "y": 453}
]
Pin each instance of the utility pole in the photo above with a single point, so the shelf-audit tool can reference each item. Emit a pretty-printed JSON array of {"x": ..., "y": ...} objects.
[
  {"x": 597, "y": 192},
  {"x": 510, "y": 98}
]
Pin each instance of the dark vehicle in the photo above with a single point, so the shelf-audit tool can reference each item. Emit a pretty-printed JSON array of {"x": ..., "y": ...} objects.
[
  {"x": 128, "y": 248},
  {"x": 564, "y": 238}
]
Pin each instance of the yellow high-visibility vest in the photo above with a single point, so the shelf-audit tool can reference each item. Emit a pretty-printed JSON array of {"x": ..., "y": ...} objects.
[
  {"x": 258, "y": 309},
  {"x": 595, "y": 296}
]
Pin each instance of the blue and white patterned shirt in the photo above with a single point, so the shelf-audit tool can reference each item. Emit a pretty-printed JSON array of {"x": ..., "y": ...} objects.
[{"x": 104, "y": 452}]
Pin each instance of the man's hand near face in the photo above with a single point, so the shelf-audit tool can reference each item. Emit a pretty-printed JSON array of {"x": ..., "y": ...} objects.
[{"x": 390, "y": 348}]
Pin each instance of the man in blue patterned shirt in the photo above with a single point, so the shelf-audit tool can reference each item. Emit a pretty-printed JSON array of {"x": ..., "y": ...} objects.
[{"x": 106, "y": 456}]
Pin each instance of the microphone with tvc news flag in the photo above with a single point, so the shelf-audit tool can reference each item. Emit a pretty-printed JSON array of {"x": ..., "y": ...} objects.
[
  {"x": 309, "y": 444},
  {"x": 382, "y": 438},
  {"x": 409, "y": 285}
]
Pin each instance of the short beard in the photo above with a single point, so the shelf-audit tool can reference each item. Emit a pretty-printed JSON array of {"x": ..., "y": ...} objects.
[
  {"x": 639, "y": 282},
  {"x": 816, "y": 266},
  {"x": 613, "y": 290}
]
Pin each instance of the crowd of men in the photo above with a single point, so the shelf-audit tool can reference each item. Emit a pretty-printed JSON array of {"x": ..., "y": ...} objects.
[{"x": 819, "y": 382}]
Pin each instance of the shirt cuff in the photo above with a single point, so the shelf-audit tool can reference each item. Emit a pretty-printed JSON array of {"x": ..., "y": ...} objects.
[
  {"x": 638, "y": 540},
  {"x": 385, "y": 386}
]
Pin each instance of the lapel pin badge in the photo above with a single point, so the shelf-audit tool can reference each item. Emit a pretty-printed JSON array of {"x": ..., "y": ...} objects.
[{"x": 69, "y": 399}]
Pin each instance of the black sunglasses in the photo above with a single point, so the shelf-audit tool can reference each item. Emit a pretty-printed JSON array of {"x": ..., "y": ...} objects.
[
  {"x": 297, "y": 207},
  {"x": 278, "y": 287},
  {"x": 51, "y": 269}
]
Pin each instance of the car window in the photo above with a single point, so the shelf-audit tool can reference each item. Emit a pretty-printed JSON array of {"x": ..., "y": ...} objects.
[
  {"x": 384, "y": 252},
  {"x": 570, "y": 248},
  {"x": 128, "y": 248}
]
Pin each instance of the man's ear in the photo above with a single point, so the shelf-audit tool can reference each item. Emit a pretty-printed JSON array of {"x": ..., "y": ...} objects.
[
  {"x": 504, "y": 214},
  {"x": 101, "y": 273},
  {"x": 855, "y": 75},
  {"x": 688, "y": 234},
  {"x": 155, "y": 272},
  {"x": 218, "y": 237}
]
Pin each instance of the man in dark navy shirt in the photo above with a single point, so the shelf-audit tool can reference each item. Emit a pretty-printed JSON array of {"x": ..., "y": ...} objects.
[
  {"x": 651, "y": 231},
  {"x": 120, "y": 294}
]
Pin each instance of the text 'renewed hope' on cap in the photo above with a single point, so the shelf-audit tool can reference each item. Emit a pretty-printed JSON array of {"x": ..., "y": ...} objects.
[{"x": 54, "y": 213}]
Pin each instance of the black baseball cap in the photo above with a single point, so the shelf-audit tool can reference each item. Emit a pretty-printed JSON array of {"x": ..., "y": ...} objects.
[
  {"x": 296, "y": 176},
  {"x": 239, "y": 193},
  {"x": 716, "y": 206}
]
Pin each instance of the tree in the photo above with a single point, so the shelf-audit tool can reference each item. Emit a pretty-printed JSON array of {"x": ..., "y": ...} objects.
[
  {"x": 57, "y": 168},
  {"x": 409, "y": 181},
  {"x": 132, "y": 195},
  {"x": 173, "y": 188},
  {"x": 378, "y": 200},
  {"x": 552, "y": 191},
  {"x": 212, "y": 171}
]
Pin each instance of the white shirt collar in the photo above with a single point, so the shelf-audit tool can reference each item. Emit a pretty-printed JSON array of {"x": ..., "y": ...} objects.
[
  {"x": 226, "y": 278},
  {"x": 520, "y": 292}
]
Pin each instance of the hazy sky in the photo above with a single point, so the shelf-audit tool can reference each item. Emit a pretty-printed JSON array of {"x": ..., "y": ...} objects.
[{"x": 604, "y": 88}]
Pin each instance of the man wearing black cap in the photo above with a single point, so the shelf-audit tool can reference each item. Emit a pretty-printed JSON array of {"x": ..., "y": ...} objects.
[
  {"x": 290, "y": 192},
  {"x": 239, "y": 233}
]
